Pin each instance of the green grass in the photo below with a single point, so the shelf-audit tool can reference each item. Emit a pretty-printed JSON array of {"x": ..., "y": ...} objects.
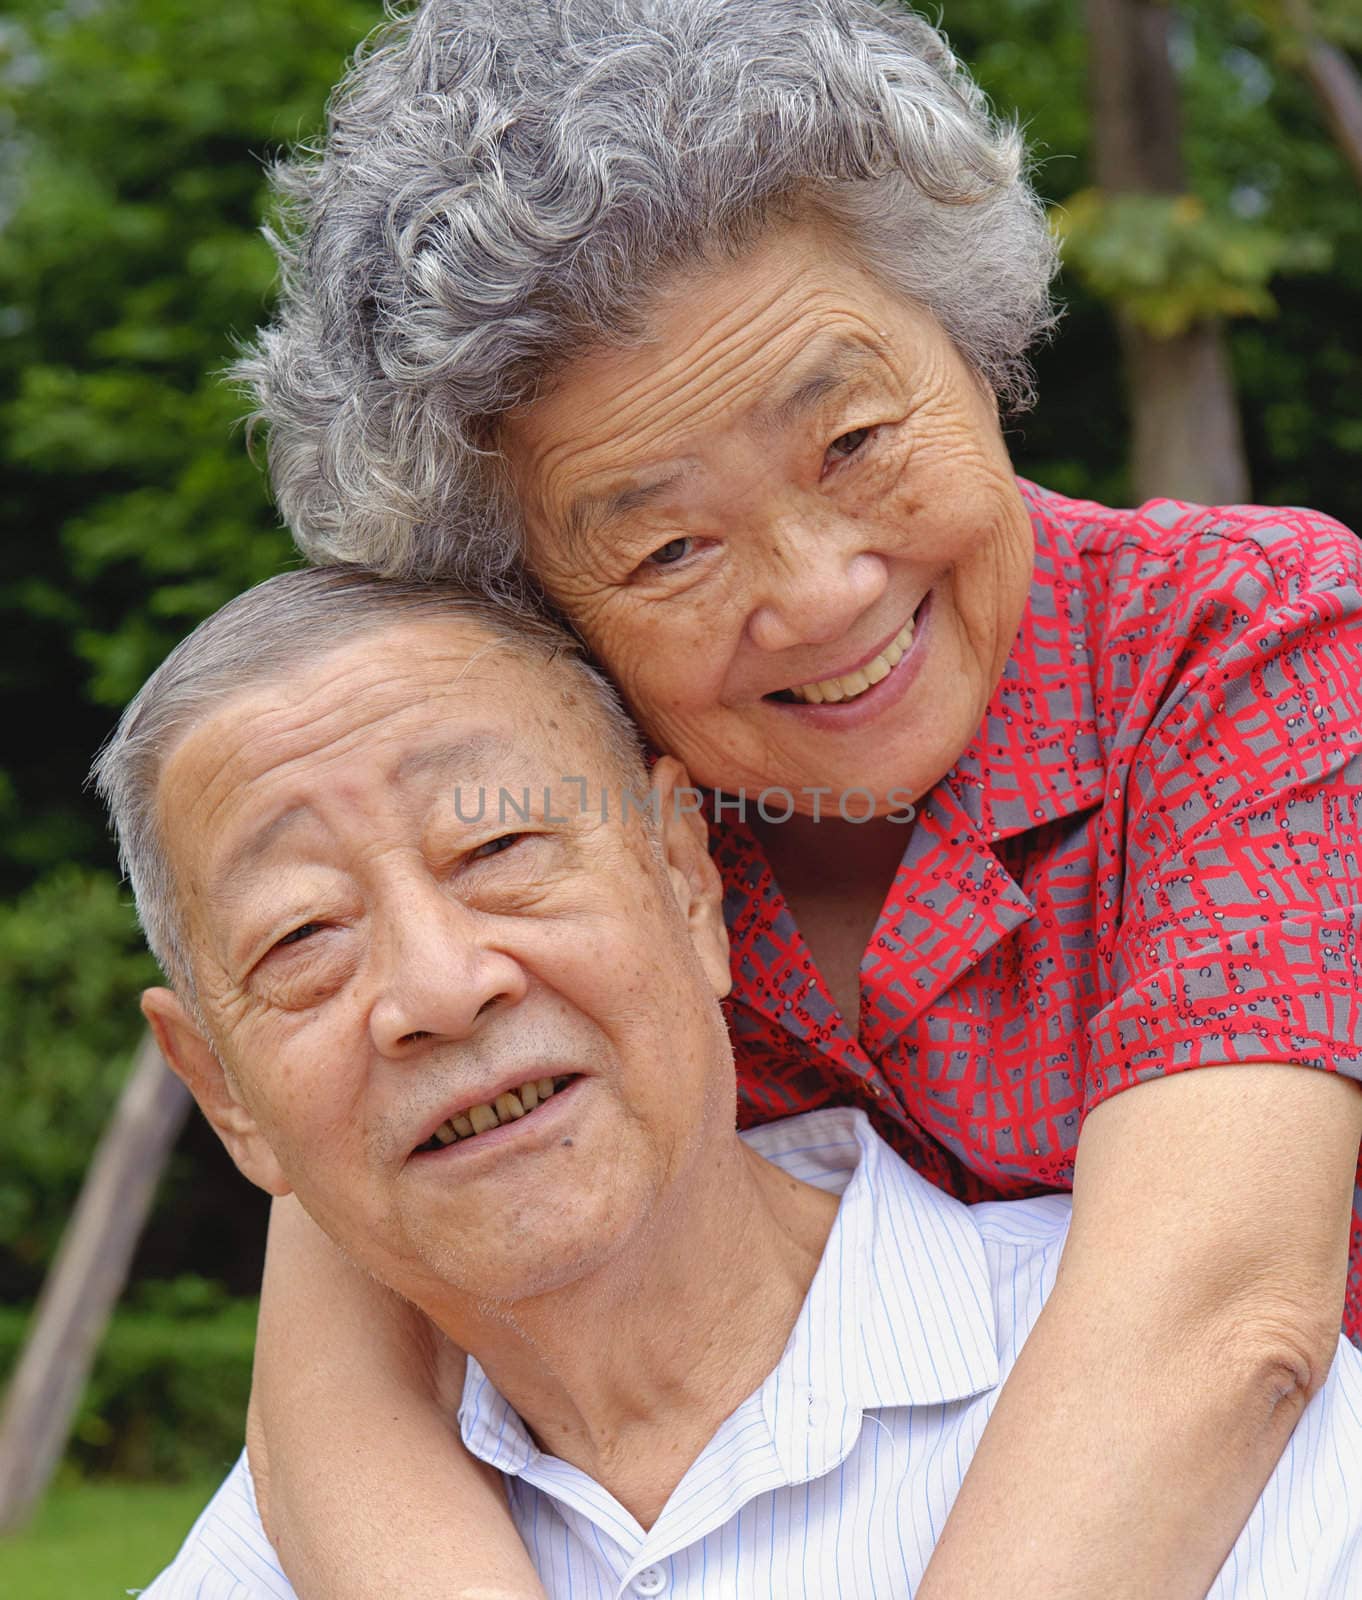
[{"x": 93, "y": 1541}]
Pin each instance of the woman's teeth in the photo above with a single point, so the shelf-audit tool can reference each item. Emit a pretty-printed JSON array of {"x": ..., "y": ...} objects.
[
  {"x": 506, "y": 1107},
  {"x": 830, "y": 691}
]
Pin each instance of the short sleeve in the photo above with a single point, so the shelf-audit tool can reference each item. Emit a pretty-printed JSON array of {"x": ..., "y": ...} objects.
[
  {"x": 1230, "y": 865},
  {"x": 226, "y": 1554}
]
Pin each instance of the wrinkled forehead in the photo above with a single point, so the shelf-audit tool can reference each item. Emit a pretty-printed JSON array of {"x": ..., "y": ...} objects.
[{"x": 406, "y": 707}]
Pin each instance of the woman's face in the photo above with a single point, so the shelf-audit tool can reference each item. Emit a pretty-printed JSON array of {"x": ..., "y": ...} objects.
[{"x": 795, "y": 487}]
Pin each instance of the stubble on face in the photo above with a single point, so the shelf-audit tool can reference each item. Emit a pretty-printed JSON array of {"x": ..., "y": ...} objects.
[{"x": 605, "y": 978}]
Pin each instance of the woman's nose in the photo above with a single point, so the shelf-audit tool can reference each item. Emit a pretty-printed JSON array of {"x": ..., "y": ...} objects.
[
  {"x": 438, "y": 974},
  {"x": 812, "y": 587}
]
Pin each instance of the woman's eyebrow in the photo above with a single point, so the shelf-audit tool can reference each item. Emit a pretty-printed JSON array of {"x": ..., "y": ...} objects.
[
  {"x": 835, "y": 367},
  {"x": 590, "y": 512},
  {"x": 838, "y": 366},
  {"x": 638, "y": 495}
]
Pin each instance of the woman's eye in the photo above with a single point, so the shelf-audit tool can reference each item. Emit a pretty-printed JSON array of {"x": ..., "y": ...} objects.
[
  {"x": 299, "y": 934},
  {"x": 847, "y": 444},
  {"x": 669, "y": 554},
  {"x": 494, "y": 847}
]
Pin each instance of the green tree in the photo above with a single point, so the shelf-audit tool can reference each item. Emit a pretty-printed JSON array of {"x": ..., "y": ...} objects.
[
  {"x": 132, "y": 135},
  {"x": 130, "y": 261},
  {"x": 1268, "y": 235}
]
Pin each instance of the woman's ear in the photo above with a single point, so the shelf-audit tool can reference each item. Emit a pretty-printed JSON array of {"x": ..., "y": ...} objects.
[
  {"x": 695, "y": 881},
  {"x": 192, "y": 1057}
]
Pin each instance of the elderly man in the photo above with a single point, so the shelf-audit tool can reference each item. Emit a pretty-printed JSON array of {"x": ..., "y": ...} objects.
[{"x": 441, "y": 971}]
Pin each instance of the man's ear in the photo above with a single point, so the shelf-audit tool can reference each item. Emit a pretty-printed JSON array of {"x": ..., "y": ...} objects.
[
  {"x": 694, "y": 877},
  {"x": 191, "y": 1057}
]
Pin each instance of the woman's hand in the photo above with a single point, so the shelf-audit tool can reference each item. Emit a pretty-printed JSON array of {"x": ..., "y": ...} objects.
[
  {"x": 1196, "y": 1311},
  {"x": 365, "y": 1487}
]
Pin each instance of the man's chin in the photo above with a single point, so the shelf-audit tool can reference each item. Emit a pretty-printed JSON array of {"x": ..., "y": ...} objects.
[
  {"x": 493, "y": 1273},
  {"x": 538, "y": 1241}
]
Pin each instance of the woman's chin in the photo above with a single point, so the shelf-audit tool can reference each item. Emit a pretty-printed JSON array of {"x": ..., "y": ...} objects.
[{"x": 894, "y": 755}]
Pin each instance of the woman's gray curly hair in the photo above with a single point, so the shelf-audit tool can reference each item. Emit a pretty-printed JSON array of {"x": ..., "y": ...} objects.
[{"x": 505, "y": 182}]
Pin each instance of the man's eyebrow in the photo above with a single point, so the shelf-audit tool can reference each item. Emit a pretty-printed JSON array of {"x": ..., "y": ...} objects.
[
  {"x": 252, "y": 848},
  {"x": 472, "y": 755}
]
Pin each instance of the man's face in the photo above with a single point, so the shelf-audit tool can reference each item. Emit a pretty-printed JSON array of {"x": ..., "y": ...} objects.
[{"x": 376, "y": 955}]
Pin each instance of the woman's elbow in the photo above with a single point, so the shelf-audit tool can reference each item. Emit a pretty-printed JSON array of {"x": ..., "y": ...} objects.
[{"x": 1282, "y": 1350}]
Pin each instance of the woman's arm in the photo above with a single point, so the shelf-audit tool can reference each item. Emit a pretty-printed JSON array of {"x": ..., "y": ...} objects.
[
  {"x": 1196, "y": 1310},
  {"x": 365, "y": 1487}
]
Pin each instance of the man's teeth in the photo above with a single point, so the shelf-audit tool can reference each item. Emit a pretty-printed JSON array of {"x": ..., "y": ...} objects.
[
  {"x": 830, "y": 691},
  {"x": 505, "y": 1108},
  {"x": 508, "y": 1107},
  {"x": 482, "y": 1118}
]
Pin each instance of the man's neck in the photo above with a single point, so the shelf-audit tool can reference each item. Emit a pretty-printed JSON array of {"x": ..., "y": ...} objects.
[{"x": 628, "y": 1373}]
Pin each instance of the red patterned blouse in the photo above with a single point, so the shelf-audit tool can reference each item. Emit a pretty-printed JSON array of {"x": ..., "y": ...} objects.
[{"x": 1149, "y": 859}]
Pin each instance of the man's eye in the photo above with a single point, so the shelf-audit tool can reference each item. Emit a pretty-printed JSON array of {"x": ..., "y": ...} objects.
[
  {"x": 669, "y": 554},
  {"x": 494, "y": 847},
  {"x": 847, "y": 444},
  {"x": 299, "y": 934}
]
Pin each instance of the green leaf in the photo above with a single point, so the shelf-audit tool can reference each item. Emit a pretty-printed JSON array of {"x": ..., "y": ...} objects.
[{"x": 1168, "y": 262}]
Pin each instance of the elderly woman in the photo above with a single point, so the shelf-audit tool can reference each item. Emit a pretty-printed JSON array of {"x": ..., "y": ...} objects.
[{"x": 701, "y": 313}]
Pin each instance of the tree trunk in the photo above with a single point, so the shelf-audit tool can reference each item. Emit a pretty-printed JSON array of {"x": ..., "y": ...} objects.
[
  {"x": 85, "y": 1281},
  {"x": 1186, "y": 438},
  {"x": 1184, "y": 417}
]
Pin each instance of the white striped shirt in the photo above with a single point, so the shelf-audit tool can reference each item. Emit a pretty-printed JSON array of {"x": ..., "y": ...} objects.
[{"x": 835, "y": 1478}]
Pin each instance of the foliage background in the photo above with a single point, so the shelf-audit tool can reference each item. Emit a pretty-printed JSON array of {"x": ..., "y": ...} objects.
[{"x": 132, "y": 140}]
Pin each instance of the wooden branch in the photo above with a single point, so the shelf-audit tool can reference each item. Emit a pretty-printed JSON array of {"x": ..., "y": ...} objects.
[
  {"x": 1338, "y": 88},
  {"x": 85, "y": 1281}
]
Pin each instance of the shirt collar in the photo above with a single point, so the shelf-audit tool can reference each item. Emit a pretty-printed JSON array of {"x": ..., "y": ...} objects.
[
  {"x": 899, "y": 1313},
  {"x": 491, "y": 1428},
  {"x": 1037, "y": 756}
]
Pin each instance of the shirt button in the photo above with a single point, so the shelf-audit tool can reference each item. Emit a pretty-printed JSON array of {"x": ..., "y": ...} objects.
[{"x": 652, "y": 1580}]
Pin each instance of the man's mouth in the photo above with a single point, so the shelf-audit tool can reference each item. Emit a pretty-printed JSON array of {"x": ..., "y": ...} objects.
[
  {"x": 852, "y": 685},
  {"x": 482, "y": 1118}
]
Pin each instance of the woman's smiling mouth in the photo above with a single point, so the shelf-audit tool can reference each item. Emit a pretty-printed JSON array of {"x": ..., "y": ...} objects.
[{"x": 851, "y": 686}]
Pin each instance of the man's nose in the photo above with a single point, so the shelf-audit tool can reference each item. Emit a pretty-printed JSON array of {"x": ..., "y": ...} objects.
[
  {"x": 439, "y": 972},
  {"x": 813, "y": 584}
]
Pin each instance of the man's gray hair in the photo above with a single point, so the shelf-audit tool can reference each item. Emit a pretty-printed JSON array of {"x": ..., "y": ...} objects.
[
  {"x": 287, "y": 622},
  {"x": 506, "y": 182}
]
